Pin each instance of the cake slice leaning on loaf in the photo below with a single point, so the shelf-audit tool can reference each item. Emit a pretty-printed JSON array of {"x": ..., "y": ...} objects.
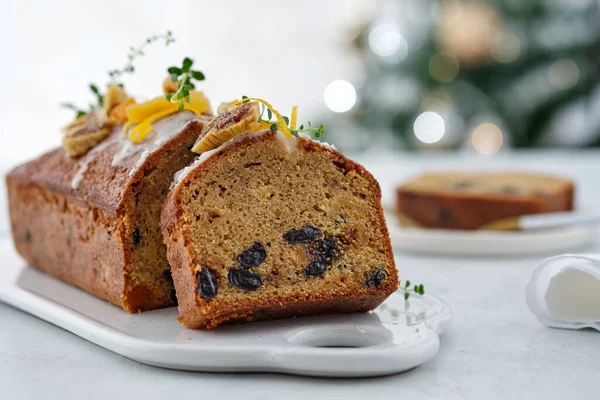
[
  {"x": 93, "y": 221},
  {"x": 268, "y": 226}
]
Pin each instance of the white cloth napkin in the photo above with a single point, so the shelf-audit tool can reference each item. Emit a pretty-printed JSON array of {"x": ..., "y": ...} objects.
[{"x": 564, "y": 291}]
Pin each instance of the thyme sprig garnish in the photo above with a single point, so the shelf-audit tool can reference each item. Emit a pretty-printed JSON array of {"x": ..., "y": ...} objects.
[
  {"x": 117, "y": 73},
  {"x": 135, "y": 52},
  {"x": 79, "y": 112},
  {"x": 274, "y": 126},
  {"x": 418, "y": 289},
  {"x": 315, "y": 131},
  {"x": 183, "y": 76}
]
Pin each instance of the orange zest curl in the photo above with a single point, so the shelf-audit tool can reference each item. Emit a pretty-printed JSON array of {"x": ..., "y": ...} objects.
[{"x": 146, "y": 113}]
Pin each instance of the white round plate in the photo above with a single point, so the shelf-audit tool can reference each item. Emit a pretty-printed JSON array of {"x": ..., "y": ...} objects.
[
  {"x": 395, "y": 337},
  {"x": 488, "y": 243}
]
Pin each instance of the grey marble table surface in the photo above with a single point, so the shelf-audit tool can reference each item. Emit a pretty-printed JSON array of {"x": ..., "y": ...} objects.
[{"x": 495, "y": 349}]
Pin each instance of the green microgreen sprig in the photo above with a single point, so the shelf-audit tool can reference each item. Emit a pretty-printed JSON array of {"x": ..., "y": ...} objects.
[
  {"x": 315, "y": 131},
  {"x": 134, "y": 52},
  {"x": 116, "y": 74},
  {"x": 79, "y": 112},
  {"x": 418, "y": 289},
  {"x": 183, "y": 76}
]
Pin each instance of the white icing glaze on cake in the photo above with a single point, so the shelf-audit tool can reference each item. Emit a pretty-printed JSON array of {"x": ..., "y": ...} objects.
[
  {"x": 140, "y": 162},
  {"x": 290, "y": 143},
  {"x": 182, "y": 173},
  {"x": 162, "y": 130},
  {"x": 87, "y": 159}
]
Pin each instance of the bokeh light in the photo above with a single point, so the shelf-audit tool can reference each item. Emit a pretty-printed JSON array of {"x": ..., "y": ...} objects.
[
  {"x": 340, "y": 96},
  {"x": 387, "y": 42},
  {"x": 563, "y": 74},
  {"x": 466, "y": 30},
  {"x": 487, "y": 138},
  {"x": 429, "y": 127},
  {"x": 506, "y": 47},
  {"x": 443, "y": 67}
]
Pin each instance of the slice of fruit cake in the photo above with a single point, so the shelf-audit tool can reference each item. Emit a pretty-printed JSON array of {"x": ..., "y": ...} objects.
[{"x": 266, "y": 224}]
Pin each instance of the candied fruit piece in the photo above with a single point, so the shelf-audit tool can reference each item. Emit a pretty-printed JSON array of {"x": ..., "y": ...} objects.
[
  {"x": 235, "y": 122},
  {"x": 114, "y": 96}
]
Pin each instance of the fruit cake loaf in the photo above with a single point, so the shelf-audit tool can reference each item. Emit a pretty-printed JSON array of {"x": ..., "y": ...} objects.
[
  {"x": 94, "y": 221},
  {"x": 268, "y": 226},
  {"x": 472, "y": 200}
]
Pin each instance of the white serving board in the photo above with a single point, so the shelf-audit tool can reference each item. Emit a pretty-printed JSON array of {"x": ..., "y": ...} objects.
[
  {"x": 487, "y": 243},
  {"x": 396, "y": 337}
]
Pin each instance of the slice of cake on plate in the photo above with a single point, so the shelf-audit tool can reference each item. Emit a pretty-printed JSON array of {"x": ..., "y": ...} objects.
[
  {"x": 265, "y": 224},
  {"x": 471, "y": 200}
]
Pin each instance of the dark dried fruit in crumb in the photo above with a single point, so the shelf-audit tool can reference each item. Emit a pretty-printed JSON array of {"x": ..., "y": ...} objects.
[
  {"x": 303, "y": 235},
  {"x": 510, "y": 190},
  {"x": 445, "y": 215},
  {"x": 208, "y": 285},
  {"x": 136, "y": 236},
  {"x": 462, "y": 185},
  {"x": 244, "y": 279},
  {"x": 315, "y": 269},
  {"x": 253, "y": 257},
  {"x": 375, "y": 277},
  {"x": 27, "y": 236},
  {"x": 325, "y": 249}
]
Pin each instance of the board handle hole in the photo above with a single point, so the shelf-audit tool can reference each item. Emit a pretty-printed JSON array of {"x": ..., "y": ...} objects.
[{"x": 338, "y": 338}]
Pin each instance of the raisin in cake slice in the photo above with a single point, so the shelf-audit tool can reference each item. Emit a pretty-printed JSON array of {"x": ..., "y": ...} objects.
[
  {"x": 267, "y": 226},
  {"x": 472, "y": 200}
]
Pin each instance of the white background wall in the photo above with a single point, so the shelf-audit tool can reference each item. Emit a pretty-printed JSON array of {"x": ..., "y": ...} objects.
[{"x": 50, "y": 51}]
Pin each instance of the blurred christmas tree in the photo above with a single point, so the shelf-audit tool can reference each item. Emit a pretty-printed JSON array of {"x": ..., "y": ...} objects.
[{"x": 449, "y": 74}]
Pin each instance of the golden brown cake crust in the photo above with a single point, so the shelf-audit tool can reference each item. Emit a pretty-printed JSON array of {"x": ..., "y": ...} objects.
[
  {"x": 471, "y": 200},
  {"x": 196, "y": 313},
  {"x": 83, "y": 235}
]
